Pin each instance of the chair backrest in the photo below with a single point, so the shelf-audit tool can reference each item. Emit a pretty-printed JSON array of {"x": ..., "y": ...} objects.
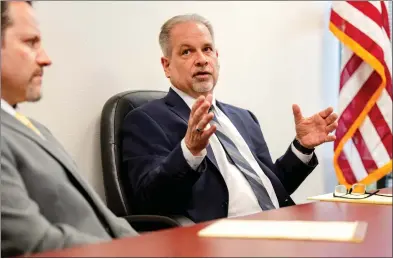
[{"x": 112, "y": 116}]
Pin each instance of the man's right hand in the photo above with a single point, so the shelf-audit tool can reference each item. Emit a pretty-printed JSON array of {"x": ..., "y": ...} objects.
[{"x": 197, "y": 136}]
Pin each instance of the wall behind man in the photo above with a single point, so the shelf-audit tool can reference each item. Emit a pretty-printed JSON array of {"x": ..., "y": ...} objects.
[{"x": 271, "y": 56}]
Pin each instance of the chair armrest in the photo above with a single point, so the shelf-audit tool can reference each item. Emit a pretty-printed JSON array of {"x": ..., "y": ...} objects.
[
  {"x": 182, "y": 220},
  {"x": 147, "y": 223}
]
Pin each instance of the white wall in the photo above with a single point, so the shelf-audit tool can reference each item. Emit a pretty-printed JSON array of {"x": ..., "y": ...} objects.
[
  {"x": 330, "y": 83},
  {"x": 271, "y": 56}
]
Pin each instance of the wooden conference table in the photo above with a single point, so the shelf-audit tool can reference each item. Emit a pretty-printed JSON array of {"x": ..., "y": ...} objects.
[{"x": 184, "y": 242}]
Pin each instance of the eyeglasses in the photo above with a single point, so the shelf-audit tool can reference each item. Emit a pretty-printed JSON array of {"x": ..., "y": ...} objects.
[{"x": 357, "y": 189}]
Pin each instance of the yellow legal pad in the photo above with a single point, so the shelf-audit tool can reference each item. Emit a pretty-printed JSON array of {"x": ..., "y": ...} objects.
[
  {"x": 297, "y": 230},
  {"x": 374, "y": 199}
]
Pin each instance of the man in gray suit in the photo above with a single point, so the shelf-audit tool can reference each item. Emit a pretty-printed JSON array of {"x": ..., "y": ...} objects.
[{"x": 45, "y": 204}]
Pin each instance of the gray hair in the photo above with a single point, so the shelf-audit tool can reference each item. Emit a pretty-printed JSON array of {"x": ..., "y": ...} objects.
[{"x": 164, "y": 37}]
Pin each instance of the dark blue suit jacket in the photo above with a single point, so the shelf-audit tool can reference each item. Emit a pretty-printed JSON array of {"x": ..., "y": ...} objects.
[{"x": 163, "y": 183}]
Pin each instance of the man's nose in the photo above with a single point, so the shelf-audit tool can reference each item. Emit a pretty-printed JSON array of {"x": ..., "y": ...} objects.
[
  {"x": 201, "y": 59},
  {"x": 43, "y": 58}
]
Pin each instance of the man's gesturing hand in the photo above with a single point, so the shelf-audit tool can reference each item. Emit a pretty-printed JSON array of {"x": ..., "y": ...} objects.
[
  {"x": 197, "y": 135},
  {"x": 315, "y": 130}
]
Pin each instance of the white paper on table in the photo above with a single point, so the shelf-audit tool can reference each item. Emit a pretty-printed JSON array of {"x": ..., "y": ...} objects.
[{"x": 297, "y": 230}]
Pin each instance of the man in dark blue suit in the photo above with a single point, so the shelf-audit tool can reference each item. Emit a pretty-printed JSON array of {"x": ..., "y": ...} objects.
[{"x": 192, "y": 155}]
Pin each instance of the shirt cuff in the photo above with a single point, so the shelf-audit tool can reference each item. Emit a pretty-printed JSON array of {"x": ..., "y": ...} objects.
[
  {"x": 303, "y": 157},
  {"x": 193, "y": 161}
]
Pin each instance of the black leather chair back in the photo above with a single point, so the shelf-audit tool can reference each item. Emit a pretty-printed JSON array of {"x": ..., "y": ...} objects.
[{"x": 112, "y": 116}]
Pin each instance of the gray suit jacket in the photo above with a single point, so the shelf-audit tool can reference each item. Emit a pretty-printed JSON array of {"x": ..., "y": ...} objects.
[{"x": 45, "y": 204}]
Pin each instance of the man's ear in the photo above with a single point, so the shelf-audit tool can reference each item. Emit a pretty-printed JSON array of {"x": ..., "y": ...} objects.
[
  {"x": 217, "y": 53},
  {"x": 165, "y": 65}
]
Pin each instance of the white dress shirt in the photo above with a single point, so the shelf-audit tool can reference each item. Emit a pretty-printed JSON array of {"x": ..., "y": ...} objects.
[
  {"x": 242, "y": 200},
  {"x": 11, "y": 111},
  {"x": 7, "y": 108}
]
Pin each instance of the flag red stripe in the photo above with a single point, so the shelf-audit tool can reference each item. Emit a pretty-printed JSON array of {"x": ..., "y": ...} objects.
[
  {"x": 342, "y": 128},
  {"x": 389, "y": 88},
  {"x": 381, "y": 127},
  {"x": 385, "y": 20},
  {"x": 387, "y": 141},
  {"x": 365, "y": 155},
  {"x": 369, "y": 10},
  {"x": 353, "y": 63},
  {"x": 346, "y": 168},
  {"x": 388, "y": 81},
  {"x": 354, "y": 108}
]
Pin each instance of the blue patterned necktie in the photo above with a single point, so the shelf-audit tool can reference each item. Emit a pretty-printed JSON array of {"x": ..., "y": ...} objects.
[{"x": 235, "y": 157}]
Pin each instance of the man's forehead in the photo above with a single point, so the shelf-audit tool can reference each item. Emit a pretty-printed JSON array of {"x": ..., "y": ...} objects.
[
  {"x": 186, "y": 33},
  {"x": 189, "y": 29},
  {"x": 23, "y": 17}
]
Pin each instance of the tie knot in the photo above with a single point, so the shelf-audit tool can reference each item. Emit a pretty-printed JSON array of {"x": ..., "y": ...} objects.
[{"x": 211, "y": 109}]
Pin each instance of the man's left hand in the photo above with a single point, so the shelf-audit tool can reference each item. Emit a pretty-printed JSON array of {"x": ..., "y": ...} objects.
[{"x": 314, "y": 130}]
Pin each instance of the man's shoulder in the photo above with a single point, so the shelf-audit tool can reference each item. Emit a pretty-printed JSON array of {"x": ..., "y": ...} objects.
[
  {"x": 245, "y": 114},
  {"x": 41, "y": 127},
  {"x": 152, "y": 108},
  {"x": 7, "y": 134},
  {"x": 8, "y": 143},
  {"x": 8, "y": 129},
  {"x": 232, "y": 107},
  {"x": 152, "y": 105}
]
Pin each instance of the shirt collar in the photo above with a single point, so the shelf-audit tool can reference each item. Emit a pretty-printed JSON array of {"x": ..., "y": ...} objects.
[
  {"x": 189, "y": 100},
  {"x": 7, "y": 108}
]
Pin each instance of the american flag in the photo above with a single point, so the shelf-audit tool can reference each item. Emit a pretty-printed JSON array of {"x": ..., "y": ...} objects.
[{"x": 363, "y": 146}]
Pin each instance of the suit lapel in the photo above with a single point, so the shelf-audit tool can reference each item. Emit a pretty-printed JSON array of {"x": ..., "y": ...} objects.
[
  {"x": 53, "y": 146},
  {"x": 177, "y": 105},
  {"x": 49, "y": 144},
  {"x": 181, "y": 109},
  {"x": 236, "y": 121}
]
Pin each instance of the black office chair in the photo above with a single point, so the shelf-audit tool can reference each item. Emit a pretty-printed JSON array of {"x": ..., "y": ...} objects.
[{"x": 117, "y": 197}]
